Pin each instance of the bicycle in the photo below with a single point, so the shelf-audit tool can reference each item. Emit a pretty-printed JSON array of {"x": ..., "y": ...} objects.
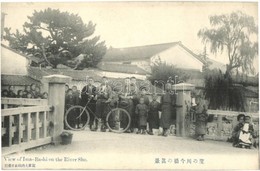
[{"x": 117, "y": 120}]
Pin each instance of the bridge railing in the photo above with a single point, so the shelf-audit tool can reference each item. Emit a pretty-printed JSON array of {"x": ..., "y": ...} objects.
[
  {"x": 221, "y": 123},
  {"x": 28, "y": 123}
]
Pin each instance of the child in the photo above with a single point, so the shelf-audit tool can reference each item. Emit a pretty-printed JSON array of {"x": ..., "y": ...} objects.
[
  {"x": 69, "y": 101},
  {"x": 237, "y": 129},
  {"x": 75, "y": 94},
  {"x": 246, "y": 134},
  {"x": 153, "y": 115},
  {"x": 142, "y": 112},
  {"x": 19, "y": 94}
]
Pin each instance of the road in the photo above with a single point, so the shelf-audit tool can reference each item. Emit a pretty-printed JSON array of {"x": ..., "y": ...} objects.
[{"x": 99, "y": 150}]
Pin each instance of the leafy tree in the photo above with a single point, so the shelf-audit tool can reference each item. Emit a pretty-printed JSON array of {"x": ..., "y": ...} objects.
[
  {"x": 58, "y": 37},
  {"x": 233, "y": 33},
  {"x": 222, "y": 93},
  {"x": 160, "y": 72}
]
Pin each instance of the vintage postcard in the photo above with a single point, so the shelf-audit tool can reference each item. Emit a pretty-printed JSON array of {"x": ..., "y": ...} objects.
[{"x": 129, "y": 85}]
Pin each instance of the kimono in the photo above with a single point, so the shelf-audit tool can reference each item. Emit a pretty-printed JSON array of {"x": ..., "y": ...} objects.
[
  {"x": 75, "y": 95},
  {"x": 153, "y": 115},
  {"x": 142, "y": 112},
  {"x": 246, "y": 134},
  {"x": 69, "y": 102},
  {"x": 135, "y": 101},
  {"x": 236, "y": 132},
  {"x": 168, "y": 111},
  {"x": 201, "y": 119}
]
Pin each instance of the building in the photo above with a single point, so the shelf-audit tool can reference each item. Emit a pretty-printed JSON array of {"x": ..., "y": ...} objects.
[
  {"x": 14, "y": 67},
  {"x": 141, "y": 58}
]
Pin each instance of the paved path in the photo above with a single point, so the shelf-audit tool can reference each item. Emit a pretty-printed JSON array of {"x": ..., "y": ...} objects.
[{"x": 111, "y": 150}]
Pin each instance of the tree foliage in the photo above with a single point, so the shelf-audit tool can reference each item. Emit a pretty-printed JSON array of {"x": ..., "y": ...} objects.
[
  {"x": 58, "y": 37},
  {"x": 233, "y": 33},
  {"x": 222, "y": 93},
  {"x": 160, "y": 71}
]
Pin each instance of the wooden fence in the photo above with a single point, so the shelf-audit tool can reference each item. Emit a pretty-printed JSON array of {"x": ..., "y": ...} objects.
[{"x": 28, "y": 123}]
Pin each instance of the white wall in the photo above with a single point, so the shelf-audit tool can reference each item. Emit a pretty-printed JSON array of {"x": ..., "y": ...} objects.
[
  {"x": 120, "y": 75},
  {"x": 179, "y": 57},
  {"x": 13, "y": 63}
]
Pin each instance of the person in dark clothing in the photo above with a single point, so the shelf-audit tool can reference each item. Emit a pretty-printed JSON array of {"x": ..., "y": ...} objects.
[
  {"x": 75, "y": 94},
  {"x": 11, "y": 92},
  {"x": 4, "y": 93},
  {"x": 66, "y": 88},
  {"x": 19, "y": 94},
  {"x": 246, "y": 134},
  {"x": 44, "y": 95},
  {"x": 26, "y": 89},
  {"x": 142, "y": 112},
  {"x": 103, "y": 95},
  {"x": 89, "y": 93},
  {"x": 29, "y": 95},
  {"x": 126, "y": 102},
  {"x": 201, "y": 119},
  {"x": 168, "y": 101},
  {"x": 37, "y": 92},
  {"x": 153, "y": 115},
  {"x": 33, "y": 90},
  {"x": 70, "y": 101},
  {"x": 237, "y": 129},
  {"x": 134, "y": 96}
]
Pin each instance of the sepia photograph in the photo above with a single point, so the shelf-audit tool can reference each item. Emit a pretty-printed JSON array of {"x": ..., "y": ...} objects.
[{"x": 130, "y": 85}]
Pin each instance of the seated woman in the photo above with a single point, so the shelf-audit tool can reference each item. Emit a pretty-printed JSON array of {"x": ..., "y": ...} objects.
[
  {"x": 237, "y": 129},
  {"x": 246, "y": 134}
]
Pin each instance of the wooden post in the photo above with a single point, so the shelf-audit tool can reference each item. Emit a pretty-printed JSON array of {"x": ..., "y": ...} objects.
[
  {"x": 57, "y": 100},
  {"x": 183, "y": 99}
]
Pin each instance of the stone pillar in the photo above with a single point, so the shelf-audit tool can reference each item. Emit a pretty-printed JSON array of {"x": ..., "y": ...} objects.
[
  {"x": 57, "y": 100},
  {"x": 183, "y": 103}
]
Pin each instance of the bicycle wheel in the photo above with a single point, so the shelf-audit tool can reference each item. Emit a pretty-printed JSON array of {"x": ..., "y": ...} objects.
[
  {"x": 118, "y": 120},
  {"x": 76, "y": 118}
]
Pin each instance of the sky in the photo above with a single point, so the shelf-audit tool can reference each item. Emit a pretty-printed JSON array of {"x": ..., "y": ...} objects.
[{"x": 126, "y": 24}]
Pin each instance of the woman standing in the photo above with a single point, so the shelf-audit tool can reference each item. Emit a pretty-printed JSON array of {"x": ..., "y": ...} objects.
[
  {"x": 168, "y": 113},
  {"x": 201, "y": 119}
]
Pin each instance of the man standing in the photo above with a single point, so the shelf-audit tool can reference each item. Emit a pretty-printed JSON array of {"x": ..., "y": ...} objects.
[
  {"x": 88, "y": 93},
  {"x": 103, "y": 95}
]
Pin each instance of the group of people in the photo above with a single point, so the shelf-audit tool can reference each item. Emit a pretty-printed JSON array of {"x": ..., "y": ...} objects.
[
  {"x": 243, "y": 133},
  {"x": 134, "y": 98},
  {"x": 32, "y": 91}
]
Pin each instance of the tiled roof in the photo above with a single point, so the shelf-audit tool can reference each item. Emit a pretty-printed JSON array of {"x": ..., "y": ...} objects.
[
  {"x": 142, "y": 52},
  {"x": 138, "y": 52},
  {"x": 78, "y": 75},
  {"x": 123, "y": 68},
  {"x": 17, "y": 80}
]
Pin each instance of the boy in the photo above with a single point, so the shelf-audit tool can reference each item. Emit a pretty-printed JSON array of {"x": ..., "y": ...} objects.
[
  {"x": 142, "y": 113},
  {"x": 153, "y": 115}
]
